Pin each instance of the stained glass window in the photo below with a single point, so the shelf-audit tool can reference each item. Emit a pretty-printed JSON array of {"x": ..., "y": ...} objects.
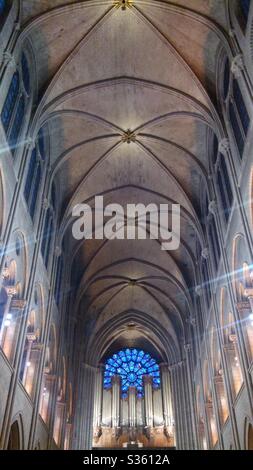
[
  {"x": 25, "y": 73},
  {"x": 242, "y": 110},
  {"x": 41, "y": 144},
  {"x": 236, "y": 128},
  {"x": 58, "y": 280},
  {"x": 17, "y": 124},
  {"x": 226, "y": 79},
  {"x": 245, "y": 6},
  {"x": 30, "y": 174},
  {"x": 35, "y": 192},
  {"x": 2, "y": 6},
  {"x": 131, "y": 365},
  {"x": 10, "y": 101}
]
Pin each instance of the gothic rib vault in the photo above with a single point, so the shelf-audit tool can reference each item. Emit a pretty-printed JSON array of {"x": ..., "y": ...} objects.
[{"x": 104, "y": 71}]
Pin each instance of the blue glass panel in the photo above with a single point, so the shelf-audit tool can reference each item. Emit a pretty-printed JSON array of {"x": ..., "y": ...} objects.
[
  {"x": 17, "y": 124},
  {"x": 53, "y": 196},
  {"x": 25, "y": 73},
  {"x": 236, "y": 129},
  {"x": 131, "y": 365},
  {"x": 41, "y": 143},
  {"x": 2, "y": 6},
  {"x": 226, "y": 79},
  {"x": 57, "y": 288},
  {"x": 245, "y": 5},
  {"x": 241, "y": 108},
  {"x": 35, "y": 191},
  {"x": 30, "y": 174},
  {"x": 10, "y": 101},
  {"x": 45, "y": 245}
]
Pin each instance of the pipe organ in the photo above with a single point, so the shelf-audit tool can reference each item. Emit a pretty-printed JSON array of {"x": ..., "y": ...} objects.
[{"x": 131, "y": 418}]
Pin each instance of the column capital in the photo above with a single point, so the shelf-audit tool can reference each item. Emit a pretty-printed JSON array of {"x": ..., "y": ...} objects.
[
  {"x": 45, "y": 204},
  {"x": 175, "y": 366},
  {"x": 11, "y": 291},
  {"x": 132, "y": 390},
  {"x": 147, "y": 379},
  {"x": 58, "y": 251},
  {"x": 205, "y": 252},
  {"x": 237, "y": 65},
  {"x": 18, "y": 304},
  {"x": 243, "y": 307},
  {"x": 198, "y": 291},
  {"x": 224, "y": 146},
  {"x": 229, "y": 347},
  {"x": 116, "y": 379},
  {"x": 8, "y": 59},
  {"x": 164, "y": 366},
  {"x": 248, "y": 292},
  {"x": 212, "y": 207},
  {"x": 30, "y": 142},
  {"x": 187, "y": 347},
  {"x": 191, "y": 320},
  {"x": 218, "y": 378}
]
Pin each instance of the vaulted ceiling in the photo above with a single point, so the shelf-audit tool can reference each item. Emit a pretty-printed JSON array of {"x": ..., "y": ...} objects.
[{"x": 150, "y": 69}]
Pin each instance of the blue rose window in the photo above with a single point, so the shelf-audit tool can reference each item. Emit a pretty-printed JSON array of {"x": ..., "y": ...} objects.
[{"x": 131, "y": 365}]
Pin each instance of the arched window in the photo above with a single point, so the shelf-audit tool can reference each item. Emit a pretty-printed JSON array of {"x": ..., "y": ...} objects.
[
  {"x": 34, "y": 177},
  {"x": 14, "y": 442},
  {"x": 226, "y": 78},
  {"x": 41, "y": 144},
  {"x": 239, "y": 117},
  {"x": 241, "y": 108},
  {"x": 245, "y": 6},
  {"x": 222, "y": 179},
  {"x": 48, "y": 233},
  {"x": 214, "y": 240},
  {"x": 224, "y": 186},
  {"x": 2, "y": 6},
  {"x": 25, "y": 73},
  {"x": 17, "y": 124},
  {"x": 35, "y": 192},
  {"x": 30, "y": 175},
  {"x": 47, "y": 236},
  {"x": 48, "y": 373},
  {"x": 10, "y": 101},
  {"x": 131, "y": 365},
  {"x": 58, "y": 281},
  {"x": 236, "y": 129},
  {"x": 53, "y": 196},
  {"x": 250, "y": 438},
  {"x": 205, "y": 278},
  {"x": 31, "y": 353},
  {"x": 13, "y": 112}
]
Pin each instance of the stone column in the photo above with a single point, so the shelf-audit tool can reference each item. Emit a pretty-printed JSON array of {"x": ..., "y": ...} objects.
[
  {"x": 148, "y": 400},
  {"x": 98, "y": 396},
  {"x": 31, "y": 337},
  {"x": 132, "y": 407},
  {"x": 115, "y": 401},
  {"x": 166, "y": 396},
  {"x": 84, "y": 410},
  {"x": 7, "y": 317}
]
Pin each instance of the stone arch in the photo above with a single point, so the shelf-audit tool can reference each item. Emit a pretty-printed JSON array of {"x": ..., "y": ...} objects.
[
  {"x": 248, "y": 434},
  {"x": 16, "y": 435}
]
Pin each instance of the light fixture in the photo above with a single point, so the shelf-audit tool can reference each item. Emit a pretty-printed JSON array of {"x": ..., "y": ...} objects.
[
  {"x": 129, "y": 136},
  {"x": 7, "y": 323},
  {"x": 28, "y": 364},
  {"x": 123, "y": 4}
]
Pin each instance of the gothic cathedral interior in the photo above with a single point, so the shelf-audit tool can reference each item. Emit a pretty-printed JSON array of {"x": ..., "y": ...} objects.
[{"x": 116, "y": 342}]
